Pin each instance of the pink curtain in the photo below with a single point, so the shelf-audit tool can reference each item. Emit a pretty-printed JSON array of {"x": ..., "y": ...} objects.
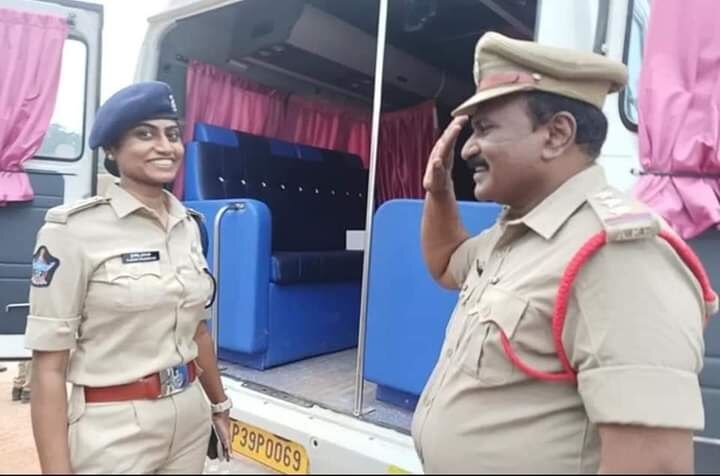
[
  {"x": 32, "y": 47},
  {"x": 679, "y": 115},
  {"x": 320, "y": 124},
  {"x": 217, "y": 97},
  {"x": 406, "y": 139},
  {"x": 220, "y": 98},
  {"x": 359, "y": 140}
]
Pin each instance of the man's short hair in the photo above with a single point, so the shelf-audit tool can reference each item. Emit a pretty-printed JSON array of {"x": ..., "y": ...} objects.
[{"x": 592, "y": 124}]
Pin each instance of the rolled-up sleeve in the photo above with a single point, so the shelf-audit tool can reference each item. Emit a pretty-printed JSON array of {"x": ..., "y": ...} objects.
[
  {"x": 642, "y": 395},
  {"x": 639, "y": 344},
  {"x": 57, "y": 290}
]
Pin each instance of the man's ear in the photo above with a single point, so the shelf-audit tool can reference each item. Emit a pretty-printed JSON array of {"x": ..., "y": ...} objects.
[{"x": 562, "y": 130}]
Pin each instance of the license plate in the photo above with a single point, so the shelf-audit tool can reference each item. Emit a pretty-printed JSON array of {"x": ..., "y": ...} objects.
[{"x": 271, "y": 450}]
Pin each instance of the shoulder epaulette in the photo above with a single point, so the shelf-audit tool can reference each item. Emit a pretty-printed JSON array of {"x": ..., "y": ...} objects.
[
  {"x": 195, "y": 214},
  {"x": 200, "y": 222},
  {"x": 63, "y": 212},
  {"x": 622, "y": 218}
]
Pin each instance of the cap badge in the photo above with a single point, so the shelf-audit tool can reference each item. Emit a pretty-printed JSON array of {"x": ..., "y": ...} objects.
[{"x": 173, "y": 106}]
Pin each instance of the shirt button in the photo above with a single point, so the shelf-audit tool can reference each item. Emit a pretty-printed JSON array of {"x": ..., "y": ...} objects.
[
  {"x": 486, "y": 311},
  {"x": 449, "y": 353},
  {"x": 494, "y": 280}
]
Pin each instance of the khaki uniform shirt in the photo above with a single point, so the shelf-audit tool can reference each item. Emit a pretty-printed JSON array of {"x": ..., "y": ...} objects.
[
  {"x": 634, "y": 333},
  {"x": 121, "y": 291}
]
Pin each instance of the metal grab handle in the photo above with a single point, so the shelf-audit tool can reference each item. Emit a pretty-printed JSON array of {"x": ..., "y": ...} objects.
[
  {"x": 601, "y": 27},
  {"x": 18, "y": 305},
  {"x": 706, "y": 441},
  {"x": 374, "y": 141},
  {"x": 216, "y": 267}
]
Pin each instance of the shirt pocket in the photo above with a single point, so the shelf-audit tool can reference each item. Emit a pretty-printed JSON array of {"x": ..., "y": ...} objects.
[
  {"x": 469, "y": 293},
  {"x": 135, "y": 286},
  {"x": 197, "y": 283},
  {"x": 482, "y": 355}
]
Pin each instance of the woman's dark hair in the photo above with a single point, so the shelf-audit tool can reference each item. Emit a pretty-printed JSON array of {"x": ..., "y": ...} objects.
[{"x": 111, "y": 166}]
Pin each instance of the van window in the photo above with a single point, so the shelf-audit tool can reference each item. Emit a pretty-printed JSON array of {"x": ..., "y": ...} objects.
[
  {"x": 64, "y": 139},
  {"x": 638, "y": 17}
]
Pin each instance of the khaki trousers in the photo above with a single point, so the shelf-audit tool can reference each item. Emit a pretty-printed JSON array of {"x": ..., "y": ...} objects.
[{"x": 167, "y": 435}]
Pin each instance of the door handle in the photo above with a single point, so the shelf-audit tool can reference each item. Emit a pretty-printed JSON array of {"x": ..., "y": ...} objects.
[{"x": 18, "y": 305}]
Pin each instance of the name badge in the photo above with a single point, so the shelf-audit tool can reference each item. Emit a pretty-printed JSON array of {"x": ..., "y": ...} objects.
[{"x": 140, "y": 257}]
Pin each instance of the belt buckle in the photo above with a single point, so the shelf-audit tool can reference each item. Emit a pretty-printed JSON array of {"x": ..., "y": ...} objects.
[{"x": 173, "y": 380}]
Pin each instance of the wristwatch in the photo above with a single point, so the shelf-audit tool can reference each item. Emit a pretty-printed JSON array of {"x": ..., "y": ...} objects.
[{"x": 221, "y": 406}]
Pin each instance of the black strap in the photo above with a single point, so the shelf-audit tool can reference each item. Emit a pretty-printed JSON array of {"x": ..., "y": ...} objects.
[
  {"x": 203, "y": 232},
  {"x": 204, "y": 242},
  {"x": 214, "y": 294}
]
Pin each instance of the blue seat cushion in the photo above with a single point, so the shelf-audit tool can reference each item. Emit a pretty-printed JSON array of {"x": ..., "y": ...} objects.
[{"x": 316, "y": 266}]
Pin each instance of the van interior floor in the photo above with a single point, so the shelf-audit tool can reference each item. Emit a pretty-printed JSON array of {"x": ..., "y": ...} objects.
[{"x": 327, "y": 381}]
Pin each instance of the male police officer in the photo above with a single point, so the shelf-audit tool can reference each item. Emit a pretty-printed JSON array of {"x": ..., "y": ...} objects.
[{"x": 500, "y": 398}]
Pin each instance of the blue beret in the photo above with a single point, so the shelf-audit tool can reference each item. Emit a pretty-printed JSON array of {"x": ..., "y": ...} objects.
[{"x": 129, "y": 106}]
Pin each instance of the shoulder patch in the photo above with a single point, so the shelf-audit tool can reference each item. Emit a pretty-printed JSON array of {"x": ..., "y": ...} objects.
[
  {"x": 44, "y": 266},
  {"x": 622, "y": 218},
  {"x": 60, "y": 214}
]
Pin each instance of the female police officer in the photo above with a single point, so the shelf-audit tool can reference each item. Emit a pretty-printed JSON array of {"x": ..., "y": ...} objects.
[{"x": 121, "y": 281}]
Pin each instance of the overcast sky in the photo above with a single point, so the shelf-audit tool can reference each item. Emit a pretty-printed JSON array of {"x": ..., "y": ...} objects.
[
  {"x": 124, "y": 30},
  {"x": 125, "y": 25}
]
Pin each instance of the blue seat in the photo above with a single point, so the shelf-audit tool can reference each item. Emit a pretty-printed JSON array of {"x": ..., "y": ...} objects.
[
  {"x": 316, "y": 267},
  {"x": 288, "y": 289},
  {"x": 214, "y": 134},
  {"x": 407, "y": 310}
]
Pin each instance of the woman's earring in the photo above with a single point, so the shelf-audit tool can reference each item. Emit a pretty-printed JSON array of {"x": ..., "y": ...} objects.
[{"x": 110, "y": 157}]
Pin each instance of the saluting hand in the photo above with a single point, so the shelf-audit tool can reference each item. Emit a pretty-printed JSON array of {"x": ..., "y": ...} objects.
[{"x": 438, "y": 173}]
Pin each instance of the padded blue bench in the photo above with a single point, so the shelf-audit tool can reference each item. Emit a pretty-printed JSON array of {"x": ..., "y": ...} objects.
[
  {"x": 288, "y": 289},
  {"x": 407, "y": 310}
]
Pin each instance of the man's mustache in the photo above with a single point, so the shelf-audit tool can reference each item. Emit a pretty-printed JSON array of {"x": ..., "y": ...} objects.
[{"x": 476, "y": 161}]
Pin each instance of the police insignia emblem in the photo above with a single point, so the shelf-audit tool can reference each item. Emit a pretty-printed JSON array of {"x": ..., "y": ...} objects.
[
  {"x": 173, "y": 105},
  {"x": 44, "y": 266}
]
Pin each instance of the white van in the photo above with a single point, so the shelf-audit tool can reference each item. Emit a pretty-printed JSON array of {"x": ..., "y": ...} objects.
[
  {"x": 320, "y": 414},
  {"x": 63, "y": 170}
]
